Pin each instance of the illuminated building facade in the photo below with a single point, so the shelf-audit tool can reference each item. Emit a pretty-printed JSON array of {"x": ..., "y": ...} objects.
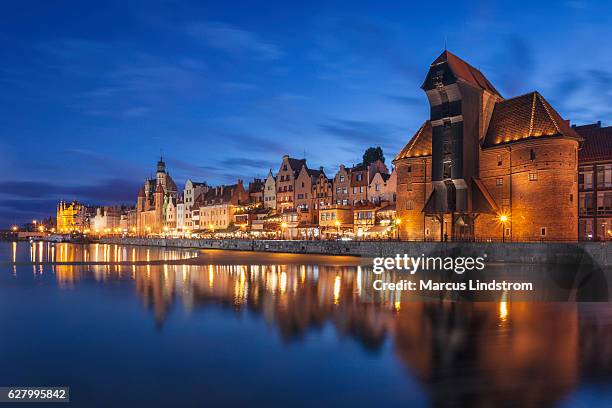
[
  {"x": 71, "y": 217},
  {"x": 217, "y": 206},
  {"x": 595, "y": 182},
  {"x": 153, "y": 199},
  {"x": 485, "y": 167}
]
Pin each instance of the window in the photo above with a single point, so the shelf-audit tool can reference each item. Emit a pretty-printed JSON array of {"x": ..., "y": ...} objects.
[
  {"x": 542, "y": 231},
  {"x": 322, "y": 216},
  {"x": 507, "y": 232},
  {"x": 604, "y": 175},
  {"x": 533, "y": 176},
  {"x": 342, "y": 178},
  {"x": 333, "y": 216},
  {"x": 427, "y": 232},
  {"x": 532, "y": 155},
  {"x": 571, "y": 198},
  {"x": 359, "y": 177},
  {"x": 499, "y": 159},
  {"x": 338, "y": 190},
  {"x": 585, "y": 179},
  {"x": 446, "y": 168},
  {"x": 345, "y": 190},
  {"x": 410, "y": 205},
  {"x": 499, "y": 182},
  {"x": 361, "y": 189},
  {"x": 302, "y": 184},
  {"x": 354, "y": 190},
  {"x": 285, "y": 167},
  {"x": 409, "y": 169},
  {"x": 345, "y": 202},
  {"x": 377, "y": 187}
]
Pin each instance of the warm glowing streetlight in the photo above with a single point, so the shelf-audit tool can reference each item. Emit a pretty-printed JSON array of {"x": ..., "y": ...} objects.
[
  {"x": 284, "y": 225},
  {"x": 14, "y": 228},
  {"x": 503, "y": 219}
]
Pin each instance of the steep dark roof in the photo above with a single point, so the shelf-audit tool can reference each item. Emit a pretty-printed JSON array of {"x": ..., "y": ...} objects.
[
  {"x": 524, "y": 117},
  {"x": 597, "y": 143},
  {"x": 255, "y": 186},
  {"x": 217, "y": 195},
  {"x": 464, "y": 71},
  {"x": 170, "y": 184},
  {"x": 419, "y": 145},
  {"x": 141, "y": 192},
  {"x": 314, "y": 173},
  {"x": 296, "y": 164}
]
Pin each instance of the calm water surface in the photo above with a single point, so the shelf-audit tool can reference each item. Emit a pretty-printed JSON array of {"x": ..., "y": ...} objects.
[{"x": 135, "y": 326}]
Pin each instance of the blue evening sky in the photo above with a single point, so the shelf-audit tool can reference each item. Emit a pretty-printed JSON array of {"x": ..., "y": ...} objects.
[{"x": 91, "y": 91}]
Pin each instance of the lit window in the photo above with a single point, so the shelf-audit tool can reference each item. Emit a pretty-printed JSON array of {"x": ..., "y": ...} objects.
[
  {"x": 533, "y": 176},
  {"x": 499, "y": 181},
  {"x": 543, "y": 231}
]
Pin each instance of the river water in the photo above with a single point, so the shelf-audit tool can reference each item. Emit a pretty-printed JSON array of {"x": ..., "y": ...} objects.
[{"x": 137, "y": 326}]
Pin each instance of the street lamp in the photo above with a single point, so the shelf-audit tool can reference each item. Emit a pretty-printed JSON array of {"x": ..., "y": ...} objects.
[
  {"x": 503, "y": 219},
  {"x": 14, "y": 228}
]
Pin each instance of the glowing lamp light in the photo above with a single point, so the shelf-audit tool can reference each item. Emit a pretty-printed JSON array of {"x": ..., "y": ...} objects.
[
  {"x": 284, "y": 225},
  {"x": 14, "y": 228},
  {"x": 503, "y": 218},
  {"x": 398, "y": 221},
  {"x": 337, "y": 223}
]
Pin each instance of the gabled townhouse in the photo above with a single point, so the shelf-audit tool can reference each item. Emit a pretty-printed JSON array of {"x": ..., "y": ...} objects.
[
  {"x": 341, "y": 184},
  {"x": 269, "y": 193},
  {"x": 190, "y": 193},
  {"x": 360, "y": 177},
  {"x": 285, "y": 183},
  {"x": 382, "y": 188}
]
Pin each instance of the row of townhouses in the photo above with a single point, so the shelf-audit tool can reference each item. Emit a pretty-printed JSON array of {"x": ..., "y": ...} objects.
[
  {"x": 481, "y": 167},
  {"x": 289, "y": 203}
]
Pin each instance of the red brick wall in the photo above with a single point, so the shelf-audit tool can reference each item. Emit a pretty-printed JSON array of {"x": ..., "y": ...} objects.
[{"x": 551, "y": 201}]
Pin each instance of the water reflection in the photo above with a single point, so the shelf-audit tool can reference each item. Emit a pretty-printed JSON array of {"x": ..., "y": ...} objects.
[
  {"x": 465, "y": 354},
  {"x": 49, "y": 252}
]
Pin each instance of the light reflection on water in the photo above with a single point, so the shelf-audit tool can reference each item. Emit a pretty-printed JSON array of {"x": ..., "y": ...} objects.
[{"x": 423, "y": 353}]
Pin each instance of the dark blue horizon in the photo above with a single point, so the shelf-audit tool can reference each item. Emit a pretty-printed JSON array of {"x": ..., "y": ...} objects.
[{"x": 93, "y": 93}]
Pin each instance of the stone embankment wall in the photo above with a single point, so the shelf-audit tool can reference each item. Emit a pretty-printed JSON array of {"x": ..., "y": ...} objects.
[{"x": 596, "y": 253}]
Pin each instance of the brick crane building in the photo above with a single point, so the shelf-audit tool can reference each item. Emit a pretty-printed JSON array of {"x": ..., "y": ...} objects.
[{"x": 486, "y": 167}]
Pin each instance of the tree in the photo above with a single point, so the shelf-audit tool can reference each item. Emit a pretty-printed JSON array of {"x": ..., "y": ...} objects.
[{"x": 372, "y": 154}]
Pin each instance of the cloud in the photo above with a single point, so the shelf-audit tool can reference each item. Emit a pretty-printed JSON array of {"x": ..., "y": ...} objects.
[
  {"x": 113, "y": 190},
  {"x": 515, "y": 65},
  {"x": 248, "y": 162},
  {"x": 410, "y": 101},
  {"x": 254, "y": 143},
  {"x": 360, "y": 132},
  {"x": 234, "y": 41}
]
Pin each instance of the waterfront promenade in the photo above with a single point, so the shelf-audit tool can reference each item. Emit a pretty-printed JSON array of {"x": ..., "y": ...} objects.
[{"x": 598, "y": 254}]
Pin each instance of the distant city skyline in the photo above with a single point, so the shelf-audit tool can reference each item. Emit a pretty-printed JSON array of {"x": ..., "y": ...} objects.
[{"x": 92, "y": 93}]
